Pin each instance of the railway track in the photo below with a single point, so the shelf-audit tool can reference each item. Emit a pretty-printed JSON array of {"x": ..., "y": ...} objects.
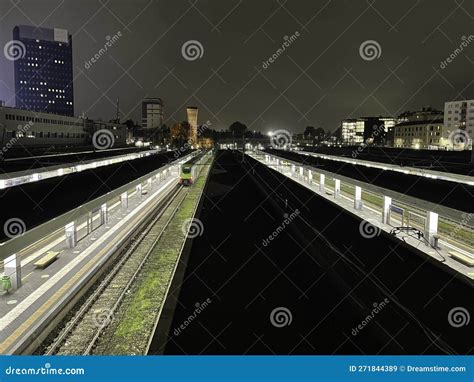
[{"x": 80, "y": 334}]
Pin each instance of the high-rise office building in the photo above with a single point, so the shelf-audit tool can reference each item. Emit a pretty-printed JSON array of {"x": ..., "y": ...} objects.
[
  {"x": 192, "y": 113},
  {"x": 43, "y": 70},
  {"x": 152, "y": 113}
]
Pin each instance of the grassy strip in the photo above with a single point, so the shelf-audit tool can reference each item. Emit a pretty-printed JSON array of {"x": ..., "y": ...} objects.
[
  {"x": 450, "y": 230},
  {"x": 132, "y": 327}
]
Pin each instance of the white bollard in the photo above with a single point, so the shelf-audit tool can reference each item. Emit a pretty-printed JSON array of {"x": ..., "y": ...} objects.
[
  {"x": 337, "y": 187},
  {"x": 431, "y": 227},
  {"x": 104, "y": 214},
  {"x": 358, "y": 198},
  {"x": 71, "y": 235},
  {"x": 124, "y": 199},
  {"x": 387, "y": 202}
]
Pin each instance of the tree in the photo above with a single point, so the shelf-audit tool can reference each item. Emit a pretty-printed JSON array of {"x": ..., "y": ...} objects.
[
  {"x": 179, "y": 133},
  {"x": 237, "y": 129},
  {"x": 165, "y": 134}
]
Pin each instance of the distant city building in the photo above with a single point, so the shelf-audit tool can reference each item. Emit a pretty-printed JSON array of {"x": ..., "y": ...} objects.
[
  {"x": 366, "y": 130},
  {"x": 425, "y": 114},
  {"x": 118, "y": 131},
  {"x": 192, "y": 113},
  {"x": 459, "y": 115},
  {"x": 25, "y": 128},
  {"x": 352, "y": 131},
  {"x": 152, "y": 113},
  {"x": 43, "y": 70},
  {"x": 422, "y": 134},
  {"x": 302, "y": 140},
  {"x": 419, "y": 129}
]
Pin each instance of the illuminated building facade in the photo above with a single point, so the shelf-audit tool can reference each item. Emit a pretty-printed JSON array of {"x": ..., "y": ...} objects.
[
  {"x": 43, "y": 70},
  {"x": 192, "y": 113},
  {"x": 152, "y": 113}
]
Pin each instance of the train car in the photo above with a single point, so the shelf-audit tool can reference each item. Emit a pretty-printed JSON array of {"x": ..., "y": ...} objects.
[{"x": 189, "y": 170}]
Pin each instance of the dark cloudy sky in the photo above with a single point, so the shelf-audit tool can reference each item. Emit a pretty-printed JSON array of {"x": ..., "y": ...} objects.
[{"x": 318, "y": 80}]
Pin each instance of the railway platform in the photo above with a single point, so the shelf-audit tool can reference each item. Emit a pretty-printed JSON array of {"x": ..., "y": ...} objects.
[{"x": 28, "y": 313}]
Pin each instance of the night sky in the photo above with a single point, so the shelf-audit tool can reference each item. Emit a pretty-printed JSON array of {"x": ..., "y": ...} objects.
[{"x": 318, "y": 80}]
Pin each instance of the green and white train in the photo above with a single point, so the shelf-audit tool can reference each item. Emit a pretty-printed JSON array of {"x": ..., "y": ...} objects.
[{"x": 191, "y": 169}]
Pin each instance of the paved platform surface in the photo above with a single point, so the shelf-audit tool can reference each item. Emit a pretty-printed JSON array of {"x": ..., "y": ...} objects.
[
  {"x": 439, "y": 193},
  {"x": 38, "y": 202},
  {"x": 374, "y": 218},
  {"x": 43, "y": 290},
  {"x": 427, "y": 173}
]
